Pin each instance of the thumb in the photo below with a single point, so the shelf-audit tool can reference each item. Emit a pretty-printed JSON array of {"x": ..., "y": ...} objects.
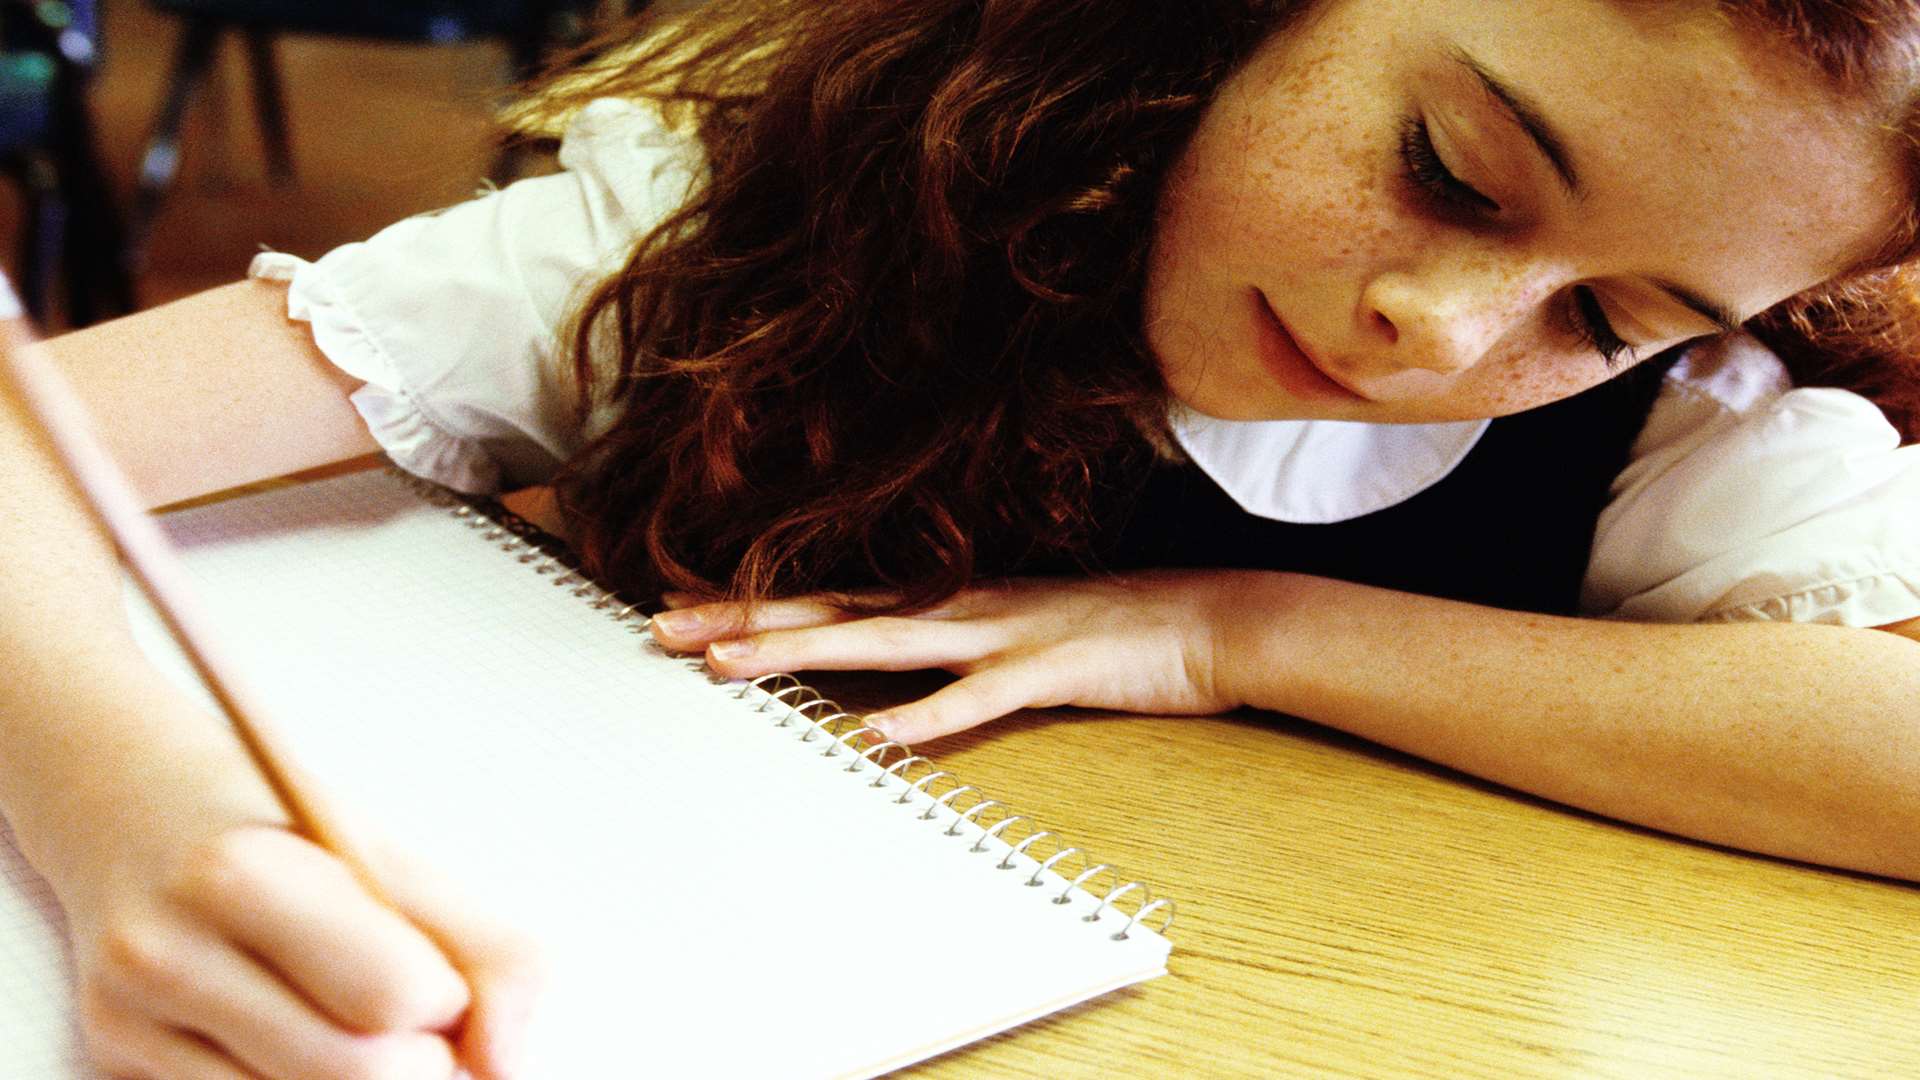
[
  {"x": 967, "y": 702},
  {"x": 501, "y": 964}
]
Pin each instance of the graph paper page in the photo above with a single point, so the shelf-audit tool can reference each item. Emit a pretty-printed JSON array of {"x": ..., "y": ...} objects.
[{"x": 712, "y": 891}]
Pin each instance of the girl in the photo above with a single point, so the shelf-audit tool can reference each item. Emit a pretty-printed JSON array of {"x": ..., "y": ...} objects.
[{"x": 1343, "y": 357}]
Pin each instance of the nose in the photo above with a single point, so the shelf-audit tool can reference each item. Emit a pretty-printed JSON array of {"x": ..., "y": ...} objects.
[{"x": 1448, "y": 318}]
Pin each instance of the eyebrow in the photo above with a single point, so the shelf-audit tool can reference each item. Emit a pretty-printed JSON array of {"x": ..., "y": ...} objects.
[{"x": 1524, "y": 113}]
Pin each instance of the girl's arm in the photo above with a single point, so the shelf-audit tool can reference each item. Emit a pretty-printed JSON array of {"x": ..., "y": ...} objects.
[
  {"x": 1790, "y": 739},
  {"x": 1801, "y": 741},
  {"x": 191, "y": 397},
  {"x": 204, "y": 933}
]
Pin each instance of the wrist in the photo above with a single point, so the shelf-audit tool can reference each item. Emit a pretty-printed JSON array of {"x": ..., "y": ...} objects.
[
  {"x": 134, "y": 781},
  {"x": 1265, "y": 640},
  {"x": 1308, "y": 646}
]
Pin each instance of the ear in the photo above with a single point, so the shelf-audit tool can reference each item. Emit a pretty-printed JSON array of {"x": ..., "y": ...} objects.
[{"x": 1908, "y": 629}]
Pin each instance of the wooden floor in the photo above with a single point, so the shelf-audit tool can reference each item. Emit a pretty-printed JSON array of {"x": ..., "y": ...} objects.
[{"x": 380, "y": 131}]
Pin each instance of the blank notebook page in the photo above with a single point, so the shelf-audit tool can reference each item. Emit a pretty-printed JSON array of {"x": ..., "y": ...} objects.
[
  {"x": 37, "y": 1037},
  {"x": 717, "y": 896}
]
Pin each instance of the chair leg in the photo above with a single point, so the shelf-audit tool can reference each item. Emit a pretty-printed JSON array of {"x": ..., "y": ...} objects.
[
  {"x": 193, "y": 59},
  {"x": 43, "y": 226},
  {"x": 269, "y": 105},
  {"x": 93, "y": 250}
]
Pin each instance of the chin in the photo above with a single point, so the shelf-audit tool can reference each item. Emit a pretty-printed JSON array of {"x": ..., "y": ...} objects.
[
  {"x": 1248, "y": 408},
  {"x": 1218, "y": 404}
]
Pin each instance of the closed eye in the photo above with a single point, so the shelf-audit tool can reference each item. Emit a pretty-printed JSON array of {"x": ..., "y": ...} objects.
[
  {"x": 1427, "y": 172},
  {"x": 1591, "y": 325}
]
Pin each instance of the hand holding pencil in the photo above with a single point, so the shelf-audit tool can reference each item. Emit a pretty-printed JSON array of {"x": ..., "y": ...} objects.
[{"x": 226, "y": 924}]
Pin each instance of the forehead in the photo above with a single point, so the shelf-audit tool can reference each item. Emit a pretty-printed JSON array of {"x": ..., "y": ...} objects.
[{"x": 1702, "y": 146}]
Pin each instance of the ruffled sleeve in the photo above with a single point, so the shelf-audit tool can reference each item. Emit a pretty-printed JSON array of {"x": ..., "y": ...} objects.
[
  {"x": 1748, "y": 499},
  {"x": 452, "y": 319}
]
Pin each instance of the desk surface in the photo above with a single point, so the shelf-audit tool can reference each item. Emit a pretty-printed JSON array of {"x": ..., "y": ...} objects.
[{"x": 1349, "y": 911}]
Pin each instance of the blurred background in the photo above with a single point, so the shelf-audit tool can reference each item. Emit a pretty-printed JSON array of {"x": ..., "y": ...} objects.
[{"x": 150, "y": 147}]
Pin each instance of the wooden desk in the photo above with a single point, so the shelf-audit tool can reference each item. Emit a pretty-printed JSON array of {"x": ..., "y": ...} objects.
[{"x": 1349, "y": 911}]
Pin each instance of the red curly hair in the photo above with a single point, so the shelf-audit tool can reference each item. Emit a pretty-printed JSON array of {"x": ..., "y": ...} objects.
[{"x": 894, "y": 339}]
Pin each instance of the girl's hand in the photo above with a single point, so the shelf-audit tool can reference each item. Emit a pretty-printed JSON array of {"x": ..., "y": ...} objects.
[
  {"x": 254, "y": 953},
  {"x": 1162, "y": 642}
]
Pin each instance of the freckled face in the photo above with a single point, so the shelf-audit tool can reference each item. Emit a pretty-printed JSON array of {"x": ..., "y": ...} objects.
[{"x": 1424, "y": 210}]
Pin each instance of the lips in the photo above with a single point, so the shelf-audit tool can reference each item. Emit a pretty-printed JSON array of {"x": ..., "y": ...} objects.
[{"x": 1288, "y": 363}]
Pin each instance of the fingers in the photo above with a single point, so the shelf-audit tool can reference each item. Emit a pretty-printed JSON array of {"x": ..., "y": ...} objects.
[
  {"x": 972, "y": 635},
  {"x": 875, "y": 644},
  {"x": 814, "y": 633},
  {"x": 130, "y": 1046},
  {"x": 1147, "y": 643},
  {"x": 276, "y": 960},
  {"x": 968, "y": 702},
  {"x": 197, "y": 990},
  {"x": 502, "y": 967},
  {"x": 694, "y": 628},
  {"x": 420, "y": 965},
  {"x": 690, "y": 623},
  {"x": 491, "y": 1044},
  {"x": 306, "y": 916}
]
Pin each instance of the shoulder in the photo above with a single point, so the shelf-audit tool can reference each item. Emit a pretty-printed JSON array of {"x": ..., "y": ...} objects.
[
  {"x": 647, "y": 163},
  {"x": 1747, "y": 497},
  {"x": 1729, "y": 409},
  {"x": 456, "y": 321}
]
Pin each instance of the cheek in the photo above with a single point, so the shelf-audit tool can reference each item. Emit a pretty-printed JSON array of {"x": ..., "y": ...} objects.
[
  {"x": 1288, "y": 176},
  {"x": 1338, "y": 217},
  {"x": 1330, "y": 206},
  {"x": 1527, "y": 380}
]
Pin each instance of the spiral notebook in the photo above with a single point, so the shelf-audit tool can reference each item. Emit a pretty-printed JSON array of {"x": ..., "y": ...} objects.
[{"x": 729, "y": 879}]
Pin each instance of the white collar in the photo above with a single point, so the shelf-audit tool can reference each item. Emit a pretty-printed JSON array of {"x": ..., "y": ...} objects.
[{"x": 1314, "y": 472}]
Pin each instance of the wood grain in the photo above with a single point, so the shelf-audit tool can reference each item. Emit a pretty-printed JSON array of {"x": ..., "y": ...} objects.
[{"x": 1348, "y": 911}]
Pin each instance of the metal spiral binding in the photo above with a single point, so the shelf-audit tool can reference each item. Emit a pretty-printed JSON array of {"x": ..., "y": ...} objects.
[{"x": 792, "y": 703}]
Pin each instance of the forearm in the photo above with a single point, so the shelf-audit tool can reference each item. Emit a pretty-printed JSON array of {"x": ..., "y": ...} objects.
[
  {"x": 94, "y": 743},
  {"x": 93, "y": 740},
  {"x": 1795, "y": 740}
]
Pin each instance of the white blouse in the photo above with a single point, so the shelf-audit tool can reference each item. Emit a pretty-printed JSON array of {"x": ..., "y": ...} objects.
[{"x": 1745, "y": 497}]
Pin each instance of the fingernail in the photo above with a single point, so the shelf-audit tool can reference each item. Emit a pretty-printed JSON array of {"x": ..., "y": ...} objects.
[
  {"x": 731, "y": 650},
  {"x": 883, "y": 724},
  {"x": 678, "y": 622}
]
